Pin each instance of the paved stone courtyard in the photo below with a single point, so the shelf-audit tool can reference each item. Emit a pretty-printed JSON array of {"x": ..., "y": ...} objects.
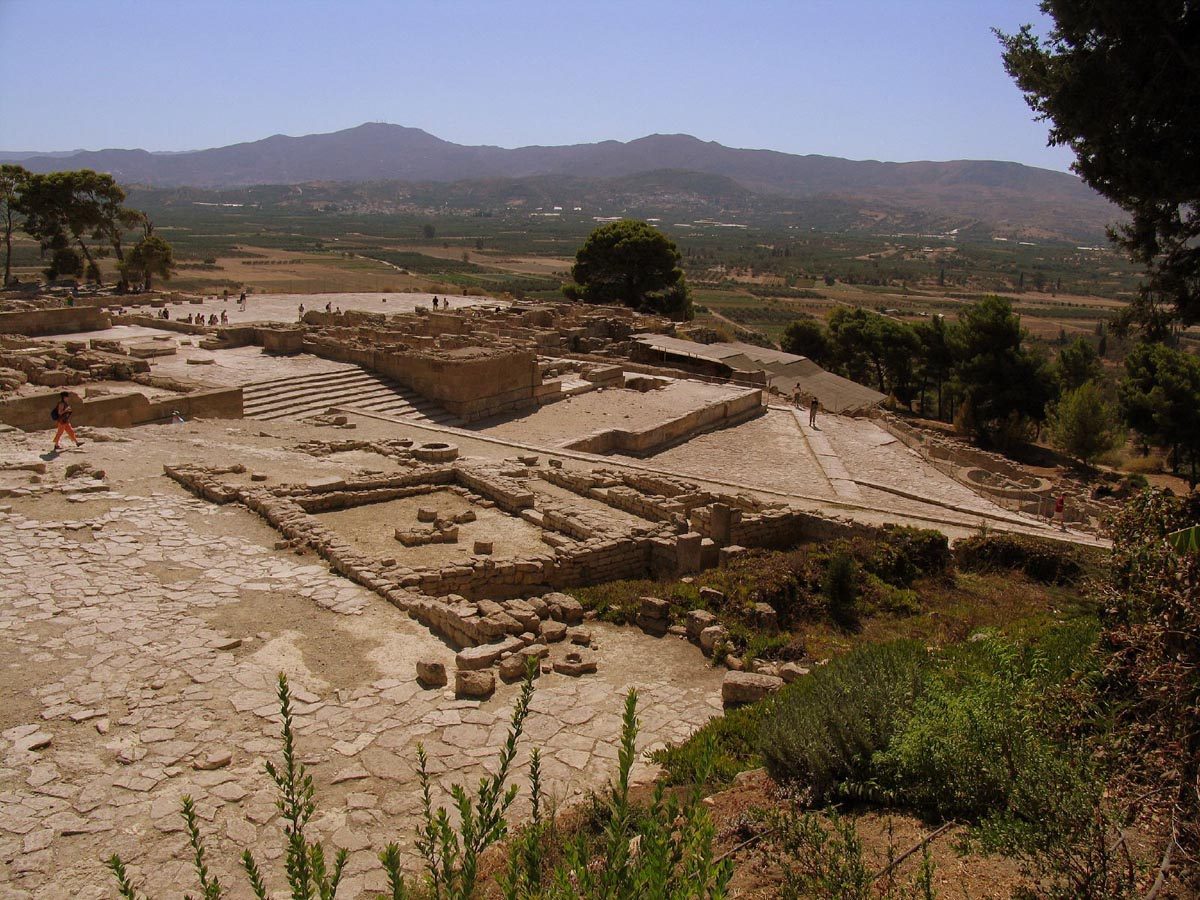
[
  {"x": 142, "y": 632},
  {"x": 142, "y": 629}
]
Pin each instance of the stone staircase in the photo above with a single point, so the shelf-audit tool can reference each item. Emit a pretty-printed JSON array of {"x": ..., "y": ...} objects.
[{"x": 301, "y": 396}]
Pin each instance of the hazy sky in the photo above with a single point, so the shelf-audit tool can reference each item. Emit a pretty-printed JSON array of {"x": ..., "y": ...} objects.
[{"x": 873, "y": 79}]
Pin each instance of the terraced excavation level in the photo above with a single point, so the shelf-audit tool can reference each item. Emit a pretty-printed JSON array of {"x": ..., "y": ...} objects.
[{"x": 300, "y": 396}]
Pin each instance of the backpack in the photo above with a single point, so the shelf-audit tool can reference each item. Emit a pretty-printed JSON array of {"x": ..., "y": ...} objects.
[{"x": 54, "y": 414}]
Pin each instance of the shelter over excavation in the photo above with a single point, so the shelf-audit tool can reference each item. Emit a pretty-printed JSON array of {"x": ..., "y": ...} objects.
[{"x": 784, "y": 371}]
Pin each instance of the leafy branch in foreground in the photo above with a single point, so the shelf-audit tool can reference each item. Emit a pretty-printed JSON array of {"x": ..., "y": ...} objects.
[{"x": 308, "y": 876}]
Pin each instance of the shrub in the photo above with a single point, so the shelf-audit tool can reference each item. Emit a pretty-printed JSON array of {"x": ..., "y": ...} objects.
[
  {"x": 728, "y": 744},
  {"x": 976, "y": 739},
  {"x": 841, "y": 590},
  {"x": 903, "y": 554},
  {"x": 824, "y": 728},
  {"x": 821, "y": 855},
  {"x": 1047, "y": 561}
]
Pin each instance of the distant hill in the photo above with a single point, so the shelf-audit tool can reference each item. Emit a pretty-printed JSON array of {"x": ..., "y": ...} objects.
[{"x": 1005, "y": 193}]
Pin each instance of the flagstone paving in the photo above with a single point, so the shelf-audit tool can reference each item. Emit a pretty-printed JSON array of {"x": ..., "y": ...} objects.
[{"x": 140, "y": 642}]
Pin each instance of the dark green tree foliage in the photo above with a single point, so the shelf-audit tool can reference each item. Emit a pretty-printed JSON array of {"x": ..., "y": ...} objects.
[
  {"x": 634, "y": 264},
  {"x": 936, "y": 341},
  {"x": 150, "y": 257},
  {"x": 808, "y": 338},
  {"x": 1120, "y": 83},
  {"x": 1077, "y": 364},
  {"x": 12, "y": 182},
  {"x": 1084, "y": 424},
  {"x": 1000, "y": 380},
  {"x": 66, "y": 210},
  {"x": 1160, "y": 400}
]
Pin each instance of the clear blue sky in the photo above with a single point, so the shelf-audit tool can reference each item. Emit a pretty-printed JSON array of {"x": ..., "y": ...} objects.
[{"x": 874, "y": 79}]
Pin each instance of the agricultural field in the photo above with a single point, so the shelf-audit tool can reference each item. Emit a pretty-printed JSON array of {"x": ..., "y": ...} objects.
[{"x": 750, "y": 277}]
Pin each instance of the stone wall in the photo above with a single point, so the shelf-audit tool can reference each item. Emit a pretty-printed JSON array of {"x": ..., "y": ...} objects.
[
  {"x": 121, "y": 410},
  {"x": 653, "y": 440},
  {"x": 57, "y": 320},
  {"x": 163, "y": 324}
]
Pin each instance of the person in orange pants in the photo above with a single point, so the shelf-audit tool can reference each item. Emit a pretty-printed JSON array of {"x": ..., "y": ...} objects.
[{"x": 63, "y": 416}]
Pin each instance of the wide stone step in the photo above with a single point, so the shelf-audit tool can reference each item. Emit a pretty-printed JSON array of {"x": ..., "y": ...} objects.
[
  {"x": 300, "y": 396},
  {"x": 318, "y": 401},
  {"x": 345, "y": 384},
  {"x": 357, "y": 389},
  {"x": 312, "y": 376}
]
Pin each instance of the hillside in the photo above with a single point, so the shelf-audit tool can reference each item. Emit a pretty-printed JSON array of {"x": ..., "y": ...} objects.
[{"x": 967, "y": 191}]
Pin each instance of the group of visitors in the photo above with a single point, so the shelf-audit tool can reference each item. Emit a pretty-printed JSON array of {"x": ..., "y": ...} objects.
[
  {"x": 445, "y": 301},
  {"x": 213, "y": 319}
]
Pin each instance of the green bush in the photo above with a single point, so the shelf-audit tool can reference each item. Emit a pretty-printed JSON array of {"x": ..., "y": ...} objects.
[
  {"x": 841, "y": 590},
  {"x": 734, "y": 742},
  {"x": 903, "y": 554},
  {"x": 824, "y": 729},
  {"x": 1047, "y": 561},
  {"x": 977, "y": 737}
]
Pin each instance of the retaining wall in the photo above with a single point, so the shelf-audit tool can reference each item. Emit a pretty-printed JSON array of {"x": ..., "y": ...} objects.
[
  {"x": 121, "y": 410},
  {"x": 57, "y": 320}
]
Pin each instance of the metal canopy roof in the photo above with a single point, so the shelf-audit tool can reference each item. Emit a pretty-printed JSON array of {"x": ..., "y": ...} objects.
[{"x": 786, "y": 370}]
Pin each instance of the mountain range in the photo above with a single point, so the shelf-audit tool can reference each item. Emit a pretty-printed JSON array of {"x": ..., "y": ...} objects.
[{"x": 1003, "y": 193}]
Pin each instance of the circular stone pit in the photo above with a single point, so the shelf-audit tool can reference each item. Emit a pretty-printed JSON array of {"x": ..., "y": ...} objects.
[{"x": 435, "y": 452}]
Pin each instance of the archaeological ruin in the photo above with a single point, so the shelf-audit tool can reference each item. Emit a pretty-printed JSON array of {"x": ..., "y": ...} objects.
[{"x": 395, "y": 508}]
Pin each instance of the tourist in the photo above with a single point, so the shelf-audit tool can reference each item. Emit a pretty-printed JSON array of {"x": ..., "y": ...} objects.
[
  {"x": 242, "y": 300},
  {"x": 1060, "y": 511},
  {"x": 812, "y": 412},
  {"x": 445, "y": 303},
  {"x": 62, "y": 415},
  {"x": 328, "y": 308},
  {"x": 300, "y": 313},
  {"x": 435, "y": 301},
  {"x": 338, "y": 311},
  {"x": 224, "y": 317}
]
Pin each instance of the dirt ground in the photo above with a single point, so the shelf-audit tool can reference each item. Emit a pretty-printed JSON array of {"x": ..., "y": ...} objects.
[{"x": 372, "y": 529}]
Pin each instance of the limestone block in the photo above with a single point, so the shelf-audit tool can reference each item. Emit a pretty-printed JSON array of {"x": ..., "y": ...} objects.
[
  {"x": 485, "y": 655},
  {"x": 513, "y": 668},
  {"x": 431, "y": 673},
  {"x": 688, "y": 552},
  {"x": 580, "y": 637},
  {"x": 790, "y": 671},
  {"x": 733, "y": 551},
  {"x": 576, "y": 663},
  {"x": 564, "y": 608},
  {"x": 654, "y": 608},
  {"x": 765, "y": 616},
  {"x": 711, "y": 636},
  {"x": 474, "y": 684},
  {"x": 747, "y": 687},
  {"x": 426, "y": 514},
  {"x": 712, "y": 596},
  {"x": 552, "y": 632},
  {"x": 697, "y": 621}
]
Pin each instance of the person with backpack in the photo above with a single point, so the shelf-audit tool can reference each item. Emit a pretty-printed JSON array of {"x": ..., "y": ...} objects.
[{"x": 62, "y": 415}]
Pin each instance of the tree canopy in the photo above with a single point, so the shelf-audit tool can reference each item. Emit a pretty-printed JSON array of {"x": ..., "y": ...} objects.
[
  {"x": 12, "y": 182},
  {"x": 77, "y": 217},
  {"x": 150, "y": 257},
  {"x": 1120, "y": 83},
  {"x": 1077, "y": 364},
  {"x": 631, "y": 263},
  {"x": 1083, "y": 424},
  {"x": 1002, "y": 382},
  {"x": 1160, "y": 399},
  {"x": 981, "y": 362}
]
